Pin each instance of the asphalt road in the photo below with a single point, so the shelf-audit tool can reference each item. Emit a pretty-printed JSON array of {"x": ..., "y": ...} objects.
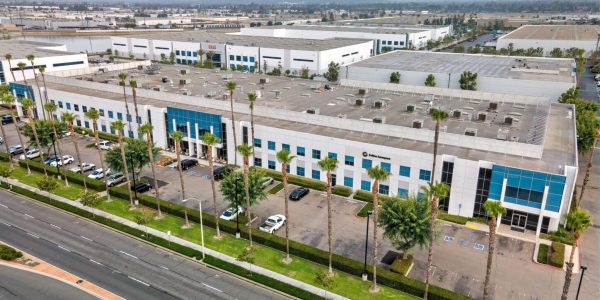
[
  {"x": 20, "y": 284},
  {"x": 120, "y": 264}
]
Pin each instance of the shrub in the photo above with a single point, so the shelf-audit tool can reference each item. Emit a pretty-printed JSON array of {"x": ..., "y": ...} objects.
[
  {"x": 77, "y": 178},
  {"x": 276, "y": 188},
  {"x": 4, "y": 156},
  {"x": 561, "y": 235},
  {"x": 543, "y": 254},
  {"x": 297, "y": 180},
  {"x": 47, "y": 183},
  {"x": 9, "y": 253},
  {"x": 453, "y": 218},
  {"x": 400, "y": 265},
  {"x": 557, "y": 256},
  {"x": 341, "y": 190},
  {"x": 368, "y": 197}
]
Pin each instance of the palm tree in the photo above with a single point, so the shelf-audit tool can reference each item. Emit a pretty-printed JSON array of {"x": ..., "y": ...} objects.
[
  {"x": 94, "y": 115},
  {"x": 31, "y": 58},
  {"x": 133, "y": 85},
  {"x": 252, "y": 98},
  {"x": 231, "y": 87},
  {"x": 42, "y": 71},
  {"x": 118, "y": 126},
  {"x": 438, "y": 116},
  {"x": 329, "y": 164},
  {"x": 177, "y": 137},
  {"x": 377, "y": 174},
  {"x": 494, "y": 210},
  {"x": 285, "y": 159},
  {"x": 51, "y": 108},
  {"x": 122, "y": 77},
  {"x": 21, "y": 66},
  {"x": 210, "y": 55},
  {"x": 578, "y": 220},
  {"x": 27, "y": 105},
  {"x": 200, "y": 53},
  {"x": 69, "y": 118},
  {"x": 9, "y": 100},
  {"x": 588, "y": 168},
  {"x": 4, "y": 97},
  {"x": 247, "y": 151},
  {"x": 8, "y": 57},
  {"x": 210, "y": 140},
  {"x": 147, "y": 129},
  {"x": 434, "y": 192}
]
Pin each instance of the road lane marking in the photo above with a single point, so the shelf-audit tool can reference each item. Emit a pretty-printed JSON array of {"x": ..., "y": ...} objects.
[
  {"x": 3, "y": 205},
  {"x": 86, "y": 238},
  {"x": 6, "y": 224},
  {"x": 61, "y": 247},
  {"x": 128, "y": 254},
  {"x": 96, "y": 262},
  {"x": 55, "y": 226},
  {"x": 134, "y": 279},
  {"x": 29, "y": 216},
  {"x": 164, "y": 268},
  {"x": 212, "y": 287},
  {"x": 33, "y": 235}
]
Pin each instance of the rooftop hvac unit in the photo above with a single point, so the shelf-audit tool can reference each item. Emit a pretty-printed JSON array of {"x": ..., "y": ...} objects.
[
  {"x": 211, "y": 94},
  {"x": 379, "y": 120},
  {"x": 312, "y": 111},
  {"x": 359, "y": 102},
  {"x": 417, "y": 124},
  {"x": 140, "y": 67},
  {"x": 493, "y": 106},
  {"x": 410, "y": 108},
  {"x": 165, "y": 79},
  {"x": 502, "y": 134},
  {"x": 157, "y": 88},
  {"x": 258, "y": 94},
  {"x": 187, "y": 93},
  {"x": 471, "y": 132},
  {"x": 225, "y": 97},
  {"x": 185, "y": 81},
  {"x": 481, "y": 117},
  {"x": 184, "y": 71},
  {"x": 429, "y": 97},
  {"x": 508, "y": 120},
  {"x": 103, "y": 70},
  {"x": 226, "y": 76},
  {"x": 315, "y": 86},
  {"x": 342, "y": 116},
  {"x": 378, "y": 104},
  {"x": 456, "y": 114},
  {"x": 277, "y": 93},
  {"x": 363, "y": 92},
  {"x": 264, "y": 80}
]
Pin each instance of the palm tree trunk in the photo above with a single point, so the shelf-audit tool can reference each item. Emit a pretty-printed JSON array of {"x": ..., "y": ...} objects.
[
  {"x": 435, "y": 149},
  {"x": 10, "y": 161},
  {"x": 177, "y": 150},
  {"x": 432, "y": 216},
  {"x": 156, "y": 191},
  {"x": 329, "y": 223},
  {"x": 374, "y": 287},
  {"x": 20, "y": 138},
  {"x": 490, "y": 258},
  {"x": 233, "y": 129},
  {"x": 128, "y": 116},
  {"x": 214, "y": 189},
  {"x": 12, "y": 73},
  {"x": 37, "y": 140},
  {"x": 287, "y": 214},
  {"x": 247, "y": 190},
  {"x": 252, "y": 126},
  {"x": 588, "y": 169},
  {"x": 97, "y": 138},
  {"x": 74, "y": 141},
  {"x": 62, "y": 166},
  {"x": 37, "y": 83},
  {"x": 135, "y": 107},
  {"x": 569, "y": 272},
  {"x": 122, "y": 146}
]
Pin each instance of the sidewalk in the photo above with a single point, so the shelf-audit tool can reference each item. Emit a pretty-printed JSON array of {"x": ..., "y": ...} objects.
[{"x": 229, "y": 259}]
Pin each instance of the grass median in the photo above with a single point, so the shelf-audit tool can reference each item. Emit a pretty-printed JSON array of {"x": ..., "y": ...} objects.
[{"x": 71, "y": 192}]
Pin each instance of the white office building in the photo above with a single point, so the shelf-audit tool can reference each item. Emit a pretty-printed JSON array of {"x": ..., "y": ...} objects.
[{"x": 552, "y": 36}]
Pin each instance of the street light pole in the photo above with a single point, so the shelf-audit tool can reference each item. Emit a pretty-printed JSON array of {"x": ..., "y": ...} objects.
[
  {"x": 201, "y": 226},
  {"x": 583, "y": 268},
  {"x": 365, "y": 274}
]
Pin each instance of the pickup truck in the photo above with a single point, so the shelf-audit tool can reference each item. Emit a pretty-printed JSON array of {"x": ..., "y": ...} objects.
[{"x": 272, "y": 223}]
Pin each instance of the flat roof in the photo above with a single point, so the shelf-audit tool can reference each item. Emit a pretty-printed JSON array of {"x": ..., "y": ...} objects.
[
  {"x": 21, "y": 48},
  {"x": 513, "y": 67},
  {"x": 383, "y": 30},
  {"x": 251, "y": 41},
  {"x": 556, "y": 32}
]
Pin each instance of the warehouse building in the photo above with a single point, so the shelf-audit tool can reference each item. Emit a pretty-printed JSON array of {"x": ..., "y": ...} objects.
[
  {"x": 547, "y": 77},
  {"x": 249, "y": 53},
  {"x": 520, "y": 150},
  {"x": 552, "y": 36}
]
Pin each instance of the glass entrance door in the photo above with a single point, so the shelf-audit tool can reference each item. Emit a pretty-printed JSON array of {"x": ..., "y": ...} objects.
[
  {"x": 518, "y": 222},
  {"x": 333, "y": 179}
]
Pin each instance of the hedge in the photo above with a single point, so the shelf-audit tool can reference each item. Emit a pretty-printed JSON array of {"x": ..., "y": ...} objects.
[
  {"x": 453, "y": 218},
  {"x": 400, "y": 265},
  {"x": 368, "y": 197},
  {"x": 341, "y": 190},
  {"x": 4, "y": 156},
  {"x": 267, "y": 281},
  {"x": 543, "y": 254},
  {"x": 557, "y": 256},
  {"x": 297, "y": 180},
  {"x": 101, "y": 134},
  {"x": 316, "y": 255},
  {"x": 94, "y": 184}
]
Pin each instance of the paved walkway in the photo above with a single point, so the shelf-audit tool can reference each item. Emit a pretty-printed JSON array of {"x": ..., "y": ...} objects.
[{"x": 221, "y": 256}]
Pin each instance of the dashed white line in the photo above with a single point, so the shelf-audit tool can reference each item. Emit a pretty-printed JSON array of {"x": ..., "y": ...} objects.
[
  {"x": 128, "y": 254},
  {"x": 96, "y": 262},
  {"x": 30, "y": 216},
  {"x": 61, "y": 247},
  {"x": 212, "y": 287},
  {"x": 86, "y": 238},
  {"x": 6, "y": 224},
  {"x": 164, "y": 268},
  {"x": 3, "y": 205},
  {"x": 135, "y": 279},
  {"x": 33, "y": 235},
  {"x": 55, "y": 226}
]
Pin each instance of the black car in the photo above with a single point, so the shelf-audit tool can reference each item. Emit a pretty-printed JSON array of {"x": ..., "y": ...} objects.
[
  {"x": 8, "y": 119},
  {"x": 220, "y": 172},
  {"x": 188, "y": 163},
  {"x": 299, "y": 193},
  {"x": 141, "y": 187}
]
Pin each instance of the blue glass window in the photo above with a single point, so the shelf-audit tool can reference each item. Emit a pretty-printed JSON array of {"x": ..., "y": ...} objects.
[
  {"x": 365, "y": 185},
  {"x": 177, "y": 52},
  {"x": 86, "y": 124},
  {"x": 257, "y": 143},
  {"x": 245, "y": 58},
  {"x": 300, "y": 171},
  {"x": 271, "y": 145},
  {"x": 316, "y": 154},
  {"x": 425, "y": 175},
  {"x": 348, "y": 181},
  {"x": 206, "y": 122},
  {"x": 287, "y": 169},
  {"x": 68, "y": 105},
  {"x": 386, "y": 166},
  {"x": 332, "y": 155},
  {"x": 405, "y": 171},
  {"x": 251, "y": 58},
  {"x": 101, "y": 112},
  {"x": 178, "y": 61},
  {"x": 103, "y": 128},
  {"x": 130, "y": 134},
  {"x": 366, "y": 163},
  {"x": 285, "y": 147},
  {"x": 349, "y": 160},
  {"x": 384, "y": 189},
  {"x": 110, "y": 114},
  {"x": 300, "y": 151},
  {"x": 252, "y": 68},
  {"x": 128, "y": 118},
  {"x": 195, "y": 54},
  {"x": 119, "y": 116},
  {"x": 189, "y": 53},
  {"x": 420, "y": 196},
  {"x": 84, "y": 108},
  {"x": 316, "y": 174},
  {"x": 402, "y": 193},
  {"x": 231, "y": 57},
  {"x": 232, "y": 66},
  {"x": 238, "y": 58},
  {"x": 258, "y": 162},
  {"x": 271, "y": 164},
  {"x": 60, "y": 104}
]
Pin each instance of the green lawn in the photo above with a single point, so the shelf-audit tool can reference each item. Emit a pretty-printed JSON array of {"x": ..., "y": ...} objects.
[{"x": 71, "y": 192}]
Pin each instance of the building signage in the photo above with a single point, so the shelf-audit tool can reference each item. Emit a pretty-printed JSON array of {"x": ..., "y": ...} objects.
[
  {"x": 213, "y": 47},
  {"x": 365, "y": 154}
]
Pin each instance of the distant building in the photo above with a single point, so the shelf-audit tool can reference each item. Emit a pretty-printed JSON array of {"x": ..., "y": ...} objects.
[{"x": 552, "y": 36}]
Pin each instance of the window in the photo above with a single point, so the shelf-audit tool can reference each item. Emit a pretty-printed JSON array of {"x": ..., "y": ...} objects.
[
  {"x": 101, "y": 112},
  {"x": 257, "y": 143},
  {"x": 425, "y": 175},
  {"x": 395, "y": 43},
  {"x": 300, "y": 151},
  {"x": 245, "y": 134},
  {"x": 238, "y": 58},
  {"x": 84, "y": 108},
  {"x": 300, "y": 171},
  {"x": 60, "y": 104},
  {"x": 384, "y": 189},
  {"x": 252, "y": 68},
  {"x": 302, "y": 59},
  {"x": 232, "y": 66},
  {"x": 349, "y": 160},
  {"x": 245, "y": 58},
  {"x": 386, "y": 166},
  {"x": 271, "y": 57},
  {"x": 405, "y": 171},
  {"x": 348, "y": 181},
  {"x": 68, "y": 105},
  {"x": 366, "y": 163},
  {"x": 195, "y": 54},
  {"x": 365, "y": 185},
  {"x": 231, "y": 57},
  {"x": 258, "y": 162},
  {"x": 103, "y": 128},
  {"x": 189, "y": 62},
  {"x": 482, "y": 192},
  {"x": 110, "y": 114},
  {"x": 139, "y": 120},
  {"x": 271, "y": 145},
  {"x": 112, "y": 131},
  {"x": 420, "y": 196},
  {"x": 287, "y": 169},
  {"x": 332, "y": 155},
  {"x": 76, "y": 107},
  {"x": 189, "y": 53},
  {"x": 178, "y": 61},
  {"x": 402, "y": 193},
  {"x": 447, "y": 169},
  {"x": 119, "y": 116},
  {"x": 86, "y": 124},
  {"x": 177, "y": 52},
  {"x": 78, "y": 122},
  {"x": 285, "y": 147},
  {"x": 251, "y": 58},
  {"x": 271, "y": 164},
  {"x": 130, "y": 134},
  {"x": 316, "y": 174},
  {"x": 316, "y": 154}
]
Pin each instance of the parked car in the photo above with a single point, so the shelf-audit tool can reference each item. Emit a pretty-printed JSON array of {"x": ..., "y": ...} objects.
[
  {"x": 1, "y": 140},
  {"x": 30, "y": 154},
  {"x": 66, "y": 159},
  {"x": 231, "y": 213},
  {"x": 9, "y": 119},
  {"x": 50, "y": 159},
  {"x": 84, "y": 167},
  {"x": 16, "y": 149},
  {"x": 98, "y": 173},
  {"x": 299, "y": 193},
  {"x": 104, "y": 145},
  {"x": 597, "y": 77},
  {"x": 115, "y": 179},
  {"x": 141, "y": 187},
  {"x": 272, "y": 223},
  {"x": 266, "y": 182},
  {"x": 188, "y": 163},
  {"x": 220, "y": 172}
]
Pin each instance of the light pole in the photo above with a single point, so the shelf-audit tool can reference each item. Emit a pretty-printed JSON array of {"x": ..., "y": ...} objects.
[
  {"x": 365, "y": 274},
  {"x": 201, "y": 227},
  {"x": 583, "y": 268}
]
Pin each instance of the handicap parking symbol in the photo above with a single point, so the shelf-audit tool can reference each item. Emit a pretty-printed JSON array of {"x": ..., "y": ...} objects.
[
  {"x": 448, "y": 238},
  {"x": 479, "y": 247}
]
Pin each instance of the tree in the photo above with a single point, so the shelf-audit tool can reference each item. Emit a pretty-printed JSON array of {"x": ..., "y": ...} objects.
[
  {"x": 143, "y": 219},
  {"x": 31, "y": 59},
  {"x": 588, "y": 168},
  {"x": 90, "y": 198},
  {"x": 69, "y": 118},
  {"x": 118, "y": 127},
  {"x": 133, "y": 85},
  {"x": 395, "y": 77},
  {"x": 458, "y": 49},
  {"x": 328, "y": 165},
  {"x": 50, "y": 107},
  {"x": 200, "y": 54},
  {"x": 137, "y": 154},
  {"x": 210, "y": 140},
  {"x": 47, "y": 183},
  {"x": 494, "y": 210},
  {"x": 433, "y": 192},
  {"x": 147, "y": 130},
  {"x": 44, "y": 131},
  {"x": 6, "y": 171},
  {"x": 27, "y": 105},
  {"x": 9, "y": 100},
  {"x": 122, "y": 77},
  {"x": 172, "y": 57},
  {"x": 232, "y": 191},
  {"x": 578, "y": 221},
  {"x": 94, "y": 115},
  {"x": 177, "y": 137},
  {"x": 163, "y": 57},
  {"x": 468, "y": 81},
  {"x": 333, "y": 72},
  {"x": 430, "y": 80},
  {"x": 231, "y": 85},
  {"x": 252, "y": 99},
  {"x": 438, "y": 115},
  {"x": 247, "y": 256},
  {"x": 8, "y": 57},
  {"x": 285, "y": 158},
  {"x": 406, "y": 223},
  {"x": 247, "y": 151},
  {"x": 5, "y": 95},
  {"x": 377, "y": 174}
]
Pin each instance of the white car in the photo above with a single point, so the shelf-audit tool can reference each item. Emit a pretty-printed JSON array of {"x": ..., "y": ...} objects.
[
  {"x": 66, "y": 159},
  {"x": 231, "y": 213},
  {"x": 104, "y": 145},
  {"x": 1, "y": 140},
  {"x": 98, "y": 173},
  {"x": 272, "y": 223},
  {"x": 30, "y": 154},
  {"x": 266, "y": 182},
  {"x": 84, "y": 166}
]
